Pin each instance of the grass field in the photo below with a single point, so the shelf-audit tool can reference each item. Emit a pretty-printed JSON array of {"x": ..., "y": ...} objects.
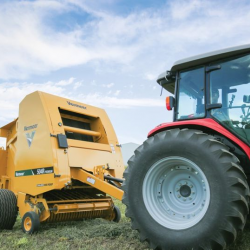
[{"x": 95, "y": 234}]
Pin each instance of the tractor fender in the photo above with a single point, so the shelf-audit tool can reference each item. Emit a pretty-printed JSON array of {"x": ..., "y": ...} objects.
[{"x": 202, "y": 124}]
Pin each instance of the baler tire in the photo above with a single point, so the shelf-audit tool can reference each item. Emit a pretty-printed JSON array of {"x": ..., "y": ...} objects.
[
  {"x": 117, "y": 214},
  {"x": 190, "y": 159},
  {"x": 30, "y": 222},
  {"x": 8, "y": 209}
]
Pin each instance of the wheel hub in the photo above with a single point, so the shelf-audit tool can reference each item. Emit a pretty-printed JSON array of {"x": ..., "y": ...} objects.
[
  {"x": 176, "y": 192},
  {"x": 27, "y": 224},
  {"x": 185, "y": 191}
]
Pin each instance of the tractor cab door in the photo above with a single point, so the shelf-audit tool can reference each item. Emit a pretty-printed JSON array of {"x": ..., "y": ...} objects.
[
  {"x": 191, "y": 94},
  {"x": 219, "y": 90},
  {"x": 230, "y": 86}
]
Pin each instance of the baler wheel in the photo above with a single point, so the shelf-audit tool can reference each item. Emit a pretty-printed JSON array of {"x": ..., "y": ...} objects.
[
  {"x": 184, "y": 190},
  {"x": 8, "y": 209},
  {"x": 117, "y": 214},
  {"x": 30, "y": 222}
]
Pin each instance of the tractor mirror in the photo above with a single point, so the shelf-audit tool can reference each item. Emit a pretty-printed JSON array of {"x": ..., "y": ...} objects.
[
  {"x": 246, "y": 98},
  {"x": 170, "y": 102}
]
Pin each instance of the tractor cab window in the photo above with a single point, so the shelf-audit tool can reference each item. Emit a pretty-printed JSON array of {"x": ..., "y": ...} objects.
[
  {"x": 191, "y": 94},
  {"x": 230, "y": 86}
]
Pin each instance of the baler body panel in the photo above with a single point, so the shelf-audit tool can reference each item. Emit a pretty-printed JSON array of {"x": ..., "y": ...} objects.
[
  {"x": 85, "y": 158},
  {"x": 34, "y": 148},
  {"x": 86, "y": 154}
]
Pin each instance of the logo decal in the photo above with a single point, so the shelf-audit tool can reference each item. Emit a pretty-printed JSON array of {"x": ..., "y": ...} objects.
[
  {"x": 44, "y": 185},
  {"x": 36, "y": 171},
  {"x": 76, "y": 105},
  {"x": 91, "y": 180},
  {"x": 29, "y": 137},
  {"x": 30, "y": 127}
]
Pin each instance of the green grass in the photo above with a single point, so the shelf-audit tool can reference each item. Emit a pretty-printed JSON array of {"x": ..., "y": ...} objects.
[{"x": 96, "y": 234}]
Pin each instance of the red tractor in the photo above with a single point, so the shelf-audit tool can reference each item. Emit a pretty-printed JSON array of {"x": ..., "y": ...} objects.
[{"x": 187, "y": 185}]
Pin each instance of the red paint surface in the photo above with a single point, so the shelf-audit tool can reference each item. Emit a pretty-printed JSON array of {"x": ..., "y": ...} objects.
[{"x": 207, "y": 122}]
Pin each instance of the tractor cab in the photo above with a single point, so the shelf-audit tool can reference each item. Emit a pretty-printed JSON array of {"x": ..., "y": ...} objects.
[{"x": 214, "y": 85}]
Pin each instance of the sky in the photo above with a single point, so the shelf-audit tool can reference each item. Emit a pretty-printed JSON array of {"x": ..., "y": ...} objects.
[{"x": 109, "y": 53}]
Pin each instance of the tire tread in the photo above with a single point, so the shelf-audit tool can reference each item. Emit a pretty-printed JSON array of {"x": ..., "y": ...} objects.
[{"x": 8, "y": 209}]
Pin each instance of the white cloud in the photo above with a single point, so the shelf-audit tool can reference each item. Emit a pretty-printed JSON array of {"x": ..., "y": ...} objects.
[
  {"x": 66, "y": 82},
  {"x": 78, "y": 85},
  {"x": 11, "y": 94},
  {"x": 117, "y": 92},
  {"x": 149, "y": 39},
  {"x": 28, "y": 46},
  {"x": 182, "y": 10},
  {"x": 110, "y": 85},
  {"x": 99, "y": 100},
  {"x": 150, "y": 76}
]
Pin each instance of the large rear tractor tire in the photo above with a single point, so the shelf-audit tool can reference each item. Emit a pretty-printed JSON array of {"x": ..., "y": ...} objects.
[
  {"x": 8, "y": 209},
  {"x": 184, "y": 190}
]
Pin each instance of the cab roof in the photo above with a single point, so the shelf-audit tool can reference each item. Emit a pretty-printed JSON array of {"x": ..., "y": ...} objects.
[{"x": 197, "y": 60}]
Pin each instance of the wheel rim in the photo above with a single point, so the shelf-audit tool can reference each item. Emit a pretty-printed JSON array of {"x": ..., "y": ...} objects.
[
  {"x": 176, "y": 193},
  {"x": 27, "y": 224}
]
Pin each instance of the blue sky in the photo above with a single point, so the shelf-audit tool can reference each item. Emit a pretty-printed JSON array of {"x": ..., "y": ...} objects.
[{"x": 109, "y": 53}]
